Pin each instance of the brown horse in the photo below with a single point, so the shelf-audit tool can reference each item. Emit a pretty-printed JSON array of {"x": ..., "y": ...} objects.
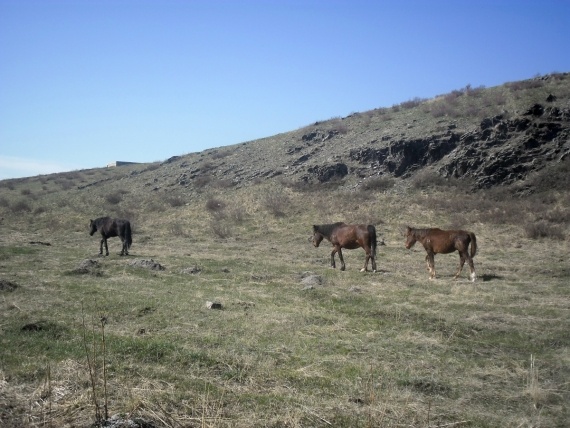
[
  {"x": 109, "y": 227},
  {"x": 437, "y": 241},
  {"x": 349, "y": 236}
]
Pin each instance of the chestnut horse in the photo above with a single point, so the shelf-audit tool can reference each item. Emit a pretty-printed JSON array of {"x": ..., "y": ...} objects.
[
  {"x": 437, "y": 241},
  {"x": 109, "y": 227},
  {"x": 349, "y": 236}
]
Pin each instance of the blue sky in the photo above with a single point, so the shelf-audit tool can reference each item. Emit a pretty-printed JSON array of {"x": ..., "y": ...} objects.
[{"x": 87, "y": 82}]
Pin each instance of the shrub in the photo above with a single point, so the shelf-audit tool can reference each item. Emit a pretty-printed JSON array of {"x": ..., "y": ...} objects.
[
  {"x": 114, "y": 198},
  {"x": 220, "y": 154},
  {"x": 412, "y": 103},
  {"x": 202, "y": 181},
  {"x": 223, "y": 183},
  {"x": 175, "y": 201},
  {"x": 558, "y": 215},
  {"x": 40, "y": 210},
  {"x": 425, "y": 179},
  {"x": 525, "y": 84},
  {"x": 542, "y": 229},
  {"x": 276, "y": 203},
  {"x": 237, "y": 214},
  {"x": 378, "y": 184},
  {"x": 21, "y": 207},
  {"x": 215, "y": 205},
  {"x": 220, "y": 228}
]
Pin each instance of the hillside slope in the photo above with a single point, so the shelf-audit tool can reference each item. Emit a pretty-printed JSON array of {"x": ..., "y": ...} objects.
[{"x": 492, "y": 136}]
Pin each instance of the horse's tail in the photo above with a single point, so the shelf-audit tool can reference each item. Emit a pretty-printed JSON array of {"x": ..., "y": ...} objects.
[
  {"x": 473, "y": 244},
  {"x": 372, "y": 238},
  {"x": 128, "y": 234}
]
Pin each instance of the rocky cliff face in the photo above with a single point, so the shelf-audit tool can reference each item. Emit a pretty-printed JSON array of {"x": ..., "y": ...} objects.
[{"x": 501, "y": 151}]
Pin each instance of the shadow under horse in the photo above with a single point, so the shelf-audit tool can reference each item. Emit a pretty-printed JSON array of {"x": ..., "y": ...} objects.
[
  {"x": 110, "y": 227},
  {"x": 437, "y": 241},
  {"x": 349, "y": 236}
]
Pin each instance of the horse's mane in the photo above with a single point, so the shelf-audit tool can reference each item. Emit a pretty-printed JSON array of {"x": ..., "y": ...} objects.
[
  {"x": 422, "y": 233},
  {"x": 327, "y": 229}
]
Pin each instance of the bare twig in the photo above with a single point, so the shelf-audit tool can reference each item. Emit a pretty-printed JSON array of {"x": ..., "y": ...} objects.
[{"x": 91, "y": 370}]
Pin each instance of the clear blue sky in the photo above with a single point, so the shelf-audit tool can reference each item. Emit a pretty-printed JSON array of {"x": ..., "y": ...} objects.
[{"x": 87, "y": 82}]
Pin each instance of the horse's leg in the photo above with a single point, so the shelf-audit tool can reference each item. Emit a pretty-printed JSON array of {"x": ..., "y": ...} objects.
[
  {"x": 333, "y": 264},
  {"x": 431, "y": 264},
  {"x": 369, "y": 256},
  {"x": 365, "y": 268},
  {"x": 461, "y": 263},
  {"x": 104, "y": 240},
  {"x": 101, "y": 246},
  {"x": 471, "y": 268},
  {"x": 428, "y": 266},
  {"x": 342, "y": 266},
  {"x": 124, "y": 251}
]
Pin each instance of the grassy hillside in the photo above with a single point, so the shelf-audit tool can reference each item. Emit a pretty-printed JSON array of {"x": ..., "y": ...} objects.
[{"x": 295, "y": 344}]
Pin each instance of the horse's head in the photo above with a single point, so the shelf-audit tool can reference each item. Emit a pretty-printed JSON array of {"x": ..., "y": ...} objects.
[
  {"x": 317, "y": 237},
  {"x": 410, "y": 237},
  {"x": 92, "y": 227}
]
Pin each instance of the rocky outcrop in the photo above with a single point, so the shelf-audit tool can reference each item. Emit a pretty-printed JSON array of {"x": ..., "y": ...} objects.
[{"x": 501, "y": 151}]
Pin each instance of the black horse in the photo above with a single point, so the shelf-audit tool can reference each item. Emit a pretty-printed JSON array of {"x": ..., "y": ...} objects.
[{"x": 110, "y": 227}]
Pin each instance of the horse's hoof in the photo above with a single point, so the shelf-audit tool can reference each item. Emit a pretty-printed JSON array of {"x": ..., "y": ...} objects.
[{"x": 363, "y": 270}]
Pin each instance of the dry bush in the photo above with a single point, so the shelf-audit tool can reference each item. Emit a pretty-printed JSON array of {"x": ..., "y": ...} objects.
[
  {"x": 415, "y": 102},
  {"x": 308, "y": 186},
  {"x": 114, "y": 198},
  {"x": 237, "y": 214},
  {"x": 215, "y": 205},
  {"x": 177, "y": 229},
  {"x": 558, "y": 215},
  {"x": 220, "y": 228},
  {"x": 442, "y": 108},
  {"x": 542, "y": 229},
  {"x": 202, "y": 181},
  {"x": 425, "y": 179},
  {"x": 64, "y": 184},
  {"x": 556, "y": 178},
  {"x": 220, "y": 154},
  {"x": 175, "y": 201},
  {"x": 21, "y": 207},
  {"x": 500, "y": 212},
  {"x": 525, "y": 84},
  {"x": 378, "y": 184},
  {"x": 277, "y": 203},
  {"x": 40, "y": 210},
  {"x": 223, "y": 183}
]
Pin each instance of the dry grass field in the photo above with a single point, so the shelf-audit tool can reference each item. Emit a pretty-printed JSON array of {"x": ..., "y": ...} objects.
[{"x": 295, "y": 343}]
